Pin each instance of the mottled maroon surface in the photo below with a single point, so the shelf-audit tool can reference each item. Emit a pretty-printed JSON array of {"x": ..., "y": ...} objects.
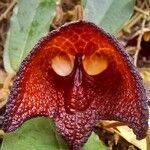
[{"x": 77, "y": 101}]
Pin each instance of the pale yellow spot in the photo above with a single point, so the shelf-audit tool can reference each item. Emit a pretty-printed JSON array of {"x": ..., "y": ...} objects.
[
  {"x": 95, "y": 64},
  {"x": 62, "y": 64}
]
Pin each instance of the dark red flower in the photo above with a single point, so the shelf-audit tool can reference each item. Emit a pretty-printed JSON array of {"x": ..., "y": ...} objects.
[{"x": 78, "y": 75}]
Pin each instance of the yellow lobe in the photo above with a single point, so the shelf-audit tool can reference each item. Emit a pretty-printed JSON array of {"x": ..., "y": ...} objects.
[
  {"x": 62, "y": 64},
  {"x": 95, "y": 64}
]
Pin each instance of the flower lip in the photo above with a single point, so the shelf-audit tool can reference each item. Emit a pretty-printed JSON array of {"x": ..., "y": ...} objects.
[{"x": 127, "y": 104}]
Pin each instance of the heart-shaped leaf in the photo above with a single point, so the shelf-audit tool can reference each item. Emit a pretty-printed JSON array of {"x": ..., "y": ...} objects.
[
  {"x": 40, "y": 134},
  {"x": 94, "y": 143},
  {"x": 35, "y": 134}
]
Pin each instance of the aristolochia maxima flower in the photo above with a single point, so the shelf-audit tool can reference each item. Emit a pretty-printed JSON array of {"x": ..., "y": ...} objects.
[{"x": 77, "y": 75}]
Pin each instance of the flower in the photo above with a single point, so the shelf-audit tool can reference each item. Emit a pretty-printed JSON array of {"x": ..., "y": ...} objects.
[{"x": 77, "y": 75}]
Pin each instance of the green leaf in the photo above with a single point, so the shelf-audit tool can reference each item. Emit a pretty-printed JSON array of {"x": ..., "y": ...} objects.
[
  {"x": 40, "y": 134},
  {"x": 108, "y": 14},
  {"x": 94, "y": 143},
  {"x": 35, "y": 134},
  {"x": 31, "y": 20}
]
